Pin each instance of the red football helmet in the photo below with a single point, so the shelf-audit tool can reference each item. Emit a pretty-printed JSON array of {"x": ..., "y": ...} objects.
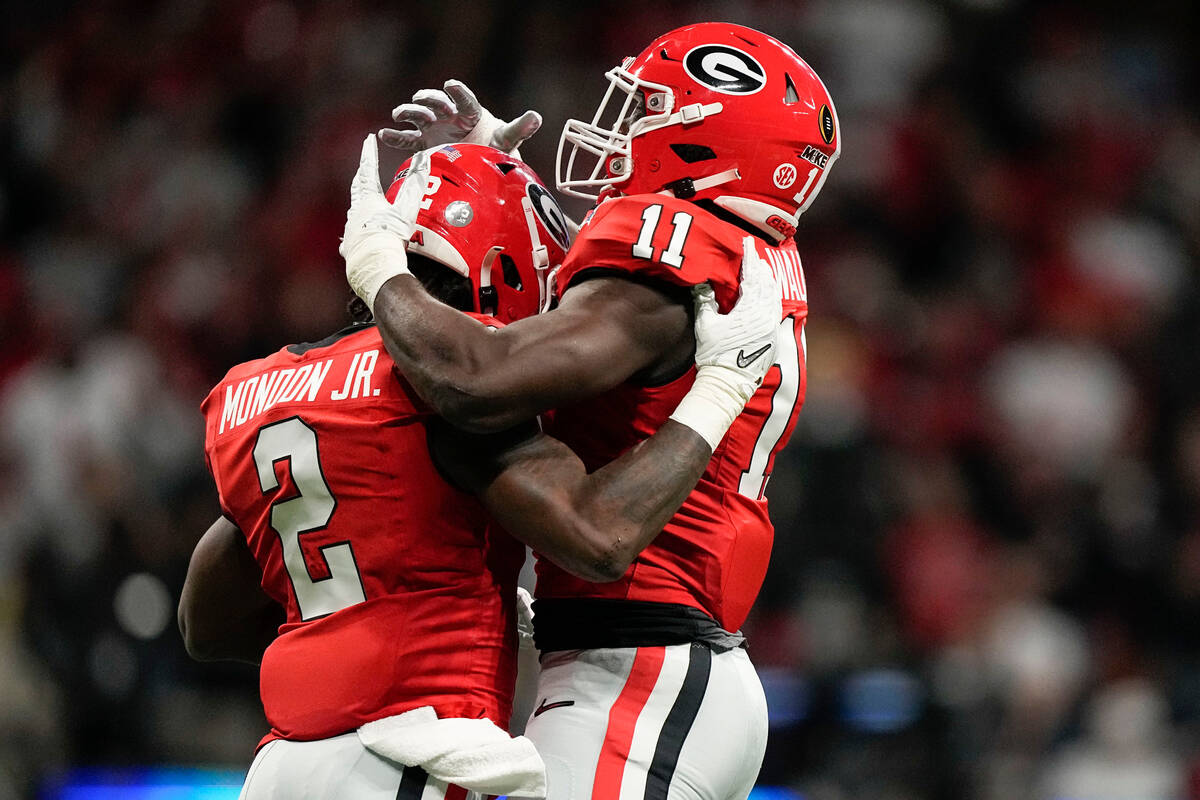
[
  {"x": 488, "y": 217},
  {"x": 713, "y": 111}
]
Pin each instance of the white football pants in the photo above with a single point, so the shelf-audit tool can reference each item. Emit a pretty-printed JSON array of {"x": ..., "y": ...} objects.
[
  {"x": 649, "y": 723},
  {"x": 338, "y": 768}
]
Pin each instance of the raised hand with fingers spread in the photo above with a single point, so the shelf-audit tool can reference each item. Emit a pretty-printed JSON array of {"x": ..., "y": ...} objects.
[{"x": 453, "y": 114}]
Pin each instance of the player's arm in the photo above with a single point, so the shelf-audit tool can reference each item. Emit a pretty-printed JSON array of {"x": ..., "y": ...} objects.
[
  {"x": 594, "y": 525},
  {"x": 605, "y": 330},
  {"x": 602, "y": 333},
  {"x": 223, "y": 611}
]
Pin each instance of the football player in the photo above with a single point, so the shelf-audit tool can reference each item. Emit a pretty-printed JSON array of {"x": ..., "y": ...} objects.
[
  {"x": 713, "y": 132},
  {"x": 399, "y": 594}
]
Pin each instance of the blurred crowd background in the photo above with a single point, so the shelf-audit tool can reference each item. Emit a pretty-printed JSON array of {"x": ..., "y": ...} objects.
[{"x": 986, "y": 581}]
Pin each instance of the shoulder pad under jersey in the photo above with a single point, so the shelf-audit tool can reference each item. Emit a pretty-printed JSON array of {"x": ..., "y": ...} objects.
[{"x": 661, "y": 237}]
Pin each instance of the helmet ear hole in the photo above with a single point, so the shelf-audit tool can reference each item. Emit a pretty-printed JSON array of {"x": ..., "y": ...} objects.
[
  {"x": 691, "y": 153},
  {"x": 441, "y": 281},
  {"x": 512, "y": 277}
]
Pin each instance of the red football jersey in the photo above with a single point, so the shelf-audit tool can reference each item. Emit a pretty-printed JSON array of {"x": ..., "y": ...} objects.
[
  {"x": 398, "y": 592},
  {"x": 713, "y": 553}
]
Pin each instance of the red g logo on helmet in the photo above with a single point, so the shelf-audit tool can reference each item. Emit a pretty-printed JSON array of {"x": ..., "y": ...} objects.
[
  {"x": 549, "y": 213},
  {"x": 725, "y": 69}
]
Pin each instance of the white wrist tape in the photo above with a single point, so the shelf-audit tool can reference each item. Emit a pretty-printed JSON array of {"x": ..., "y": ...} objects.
[
  {"x": 484, "y": 129},
  {"x": 714, "y": 402},
  {"x": 373, "y": 259}
]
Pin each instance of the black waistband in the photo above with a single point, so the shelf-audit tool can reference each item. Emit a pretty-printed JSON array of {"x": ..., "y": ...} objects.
[{"x": 585, "y": 623}]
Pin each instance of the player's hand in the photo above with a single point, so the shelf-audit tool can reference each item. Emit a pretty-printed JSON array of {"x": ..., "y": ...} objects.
[
  {"x": 376, "y": 233},
  {"x": 742, "y": 341},
  {"x": 453, "y": 114},
  {"x": 734, "y": 351}
]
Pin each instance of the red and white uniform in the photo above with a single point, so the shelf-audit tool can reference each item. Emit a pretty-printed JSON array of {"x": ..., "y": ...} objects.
[
  {"x": 713, "y": 553},
  {"x": 665, "y": 720},
  {"x": 398, "y": 593}
]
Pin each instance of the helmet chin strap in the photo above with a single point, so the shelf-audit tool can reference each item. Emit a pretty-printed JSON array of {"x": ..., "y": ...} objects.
[
  {"x": 758, "y": 214},
  {"x": 687, "y": 115},
  {"x": 687, "y": 188},
  {"x": 541, "y": 255},
  {"x": 487, "y": 292}
]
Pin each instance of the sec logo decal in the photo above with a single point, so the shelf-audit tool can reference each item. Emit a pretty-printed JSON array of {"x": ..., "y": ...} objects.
[{"x": 785, "y": 175}]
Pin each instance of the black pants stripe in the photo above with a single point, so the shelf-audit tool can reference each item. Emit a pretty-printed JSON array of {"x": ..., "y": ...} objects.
[
  {"x": 412, "y": 784},
  {"x": 678, "y": 723}
]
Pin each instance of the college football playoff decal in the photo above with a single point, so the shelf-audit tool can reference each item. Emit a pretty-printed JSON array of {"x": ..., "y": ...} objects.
[{"x": 825, "y": 121}]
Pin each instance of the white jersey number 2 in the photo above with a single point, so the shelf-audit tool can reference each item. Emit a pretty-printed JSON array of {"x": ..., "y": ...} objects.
[
  {"x": 783, "y": 406},
  {"x": 293, "y": 441}
]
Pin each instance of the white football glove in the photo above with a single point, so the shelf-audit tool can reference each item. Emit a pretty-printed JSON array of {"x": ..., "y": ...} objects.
[
  {"x": 453, "y": 114},
  {"x": 376, "y": 233},
  {"x": 734, "y": 351}
]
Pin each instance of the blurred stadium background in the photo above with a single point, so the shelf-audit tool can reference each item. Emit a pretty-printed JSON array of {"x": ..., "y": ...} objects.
[{"x": 986, "y": 581}]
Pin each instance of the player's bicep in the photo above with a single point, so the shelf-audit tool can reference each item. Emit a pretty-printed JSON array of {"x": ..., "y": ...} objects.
[
  {"x": 604, "y": 331},
  {"x": 537, "y": 496},
  {"x": 531, "y": 484}
]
